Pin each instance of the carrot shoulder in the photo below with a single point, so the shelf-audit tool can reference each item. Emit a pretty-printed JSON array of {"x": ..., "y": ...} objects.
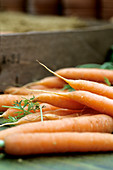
[
  {"x": 28, "y": 144},
  {"x": 94, "y": 123}
]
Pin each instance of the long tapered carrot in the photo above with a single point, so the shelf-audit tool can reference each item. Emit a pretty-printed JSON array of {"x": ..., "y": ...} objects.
[
  {"x": 87, "y": 85},
  {"x": 13, "y": 112},
  {"x": 58, "y": 101},
  {"x": 92, "y": 74},
  {"x": 36, "y": 117},
  {"x": 97, "y": 102},
  {"x": 28, "y": 144},
  {"x": 26, "y": 91},
  {"x": 94, "y": 101},
  {"x": 96, "y": 123},
  {"x": 52, "y": 115},
  {"x": 18, "y": 91},
  {"x": 51, "y": 82}
]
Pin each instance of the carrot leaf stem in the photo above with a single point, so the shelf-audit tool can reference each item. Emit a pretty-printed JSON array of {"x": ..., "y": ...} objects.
[
  {"x": 68, "y": 87},
  {"x": 107, "y": 81},
  {"x": 2, "y": 144},
  {"x": 41, "y": 113}
]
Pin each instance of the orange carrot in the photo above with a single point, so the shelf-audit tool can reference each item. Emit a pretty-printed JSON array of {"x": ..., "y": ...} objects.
[
  {"x": 64, "y": 112},
  {"x": 94, "y": 101},
  {"x": 92, "y": 74},
  {"x": 13, "y": 112},
  {"x": 97, "y": 102},
  {"x": 58, "y": 101},
  {"x": 26, "y": 91},
  {"x": 18, "y": 91},
  {"x": 51, "y": 82},
  {"x": 95, "y": 123},
  {"x": 94, "y": 87},
  {"x": 36, "y": 117},
  {"x": 28, "y": 144},
  {"x": 52, "y": 115},
  {"x": 77, "y": 83}
]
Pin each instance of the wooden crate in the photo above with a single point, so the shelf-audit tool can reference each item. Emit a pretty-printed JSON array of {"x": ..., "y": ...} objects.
[{"x": 18, "y": 52}]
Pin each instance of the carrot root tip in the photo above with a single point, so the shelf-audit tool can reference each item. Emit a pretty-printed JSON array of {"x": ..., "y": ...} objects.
[{"x": 7, "y": 124}]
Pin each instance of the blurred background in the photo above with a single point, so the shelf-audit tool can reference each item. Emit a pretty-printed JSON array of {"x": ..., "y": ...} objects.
[
  {"x": 26, "y": 15},
  {"x": 91, "y": 20},
  {"x": 100, "y": 9}
]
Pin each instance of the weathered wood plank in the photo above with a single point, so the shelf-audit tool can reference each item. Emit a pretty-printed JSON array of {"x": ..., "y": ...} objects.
[{"x": 18, "y": 52}]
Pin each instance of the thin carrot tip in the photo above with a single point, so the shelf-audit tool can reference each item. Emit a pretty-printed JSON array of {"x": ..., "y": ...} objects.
[
  {"x": 52, "y": 71},
  {"x": 2, "y": 144}
]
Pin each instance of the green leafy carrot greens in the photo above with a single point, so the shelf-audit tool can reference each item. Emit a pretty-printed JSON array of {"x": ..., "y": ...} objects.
[
  {"x": 68, "y": 87},
  {"x": 107, "y": 81},
  {"x": 21, "y": 105}
]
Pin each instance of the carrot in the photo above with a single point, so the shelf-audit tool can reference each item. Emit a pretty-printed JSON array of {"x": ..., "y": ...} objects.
[
  {"x": 36, "y": 117},
  {"x": 92, "y": 74},
  {"x": 86, "y": 98},
  {"x": 95, "y": 123},
  {"x": 28, "y": 144},
  {"x": 64, "y": 112},
  {"x": 8, "y": 100},
  {"x": 26, "y": 91},
  {"x": 13, "y": 112},
  {"x": 86, "y": 85},
  {"x": 18, "y": 91},
  {"x": 94, "y": 87},
  {"x": 50, "y": 82},
  {"x": 58, "y": 101},
  {"x": 94, "y": 101},
  {"x": 52, "y": 115}
]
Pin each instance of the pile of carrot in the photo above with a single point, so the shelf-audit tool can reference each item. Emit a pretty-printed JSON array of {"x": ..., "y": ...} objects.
[{"x": 77, "y": 121}]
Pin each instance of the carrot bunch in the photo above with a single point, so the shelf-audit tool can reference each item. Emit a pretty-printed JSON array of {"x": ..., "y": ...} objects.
[{"x": 81, "y": 120}]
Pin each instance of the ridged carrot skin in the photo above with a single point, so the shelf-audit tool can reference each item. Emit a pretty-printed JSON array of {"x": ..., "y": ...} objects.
[
  {"x": 95, "y": 123},
  {"x": 58, "y": 101},
  {"x": 42, "y": 143},
  {"x": 92, "y": 74},
  {"x": 93, "y": 87}
]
